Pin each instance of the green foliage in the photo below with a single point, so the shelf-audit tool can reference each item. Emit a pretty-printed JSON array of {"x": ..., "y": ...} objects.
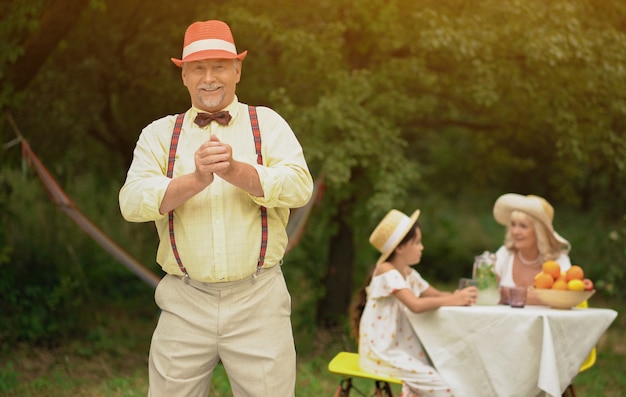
[
  {"x": 19, "y": 19},
  {"x": 54, "y": 274},
  {"x": 38, "y": 302},
  {"x": 8, "y": 377},
  {"x": 610, "y": 275}
]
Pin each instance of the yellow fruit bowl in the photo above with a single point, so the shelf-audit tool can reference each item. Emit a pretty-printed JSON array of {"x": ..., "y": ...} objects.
[{"x": 559, "y": 299}]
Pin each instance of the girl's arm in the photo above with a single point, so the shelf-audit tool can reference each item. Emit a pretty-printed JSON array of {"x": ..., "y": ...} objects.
[
  {"x": 432, "y": 291},
  {"x": 433, "y": 299}
]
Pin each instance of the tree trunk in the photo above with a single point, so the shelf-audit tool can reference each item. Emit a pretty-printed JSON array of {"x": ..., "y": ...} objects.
[{"x": 334, "y": 306}]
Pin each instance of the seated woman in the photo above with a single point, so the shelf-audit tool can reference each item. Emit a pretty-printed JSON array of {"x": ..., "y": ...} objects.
[{"x": 530, "y": 240}]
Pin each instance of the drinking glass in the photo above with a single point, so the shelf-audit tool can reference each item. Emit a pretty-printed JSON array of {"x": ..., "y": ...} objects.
[
  {"x": 467, "y": 282},
  {"x": 517, "y": 296}
]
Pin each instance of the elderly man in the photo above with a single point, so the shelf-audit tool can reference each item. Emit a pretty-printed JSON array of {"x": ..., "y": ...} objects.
[{"x": 218, "y": 181}]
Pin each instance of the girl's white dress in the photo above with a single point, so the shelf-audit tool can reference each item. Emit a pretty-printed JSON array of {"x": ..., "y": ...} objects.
[{"x": 387, "y": 343}]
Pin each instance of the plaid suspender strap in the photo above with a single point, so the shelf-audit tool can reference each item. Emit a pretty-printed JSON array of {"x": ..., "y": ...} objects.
[
  {"x": 170, "y": 172},
  {"x": 259, "y": 159}
]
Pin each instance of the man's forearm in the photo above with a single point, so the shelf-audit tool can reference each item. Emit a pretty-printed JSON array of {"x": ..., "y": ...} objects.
[
  {"x": 244, "y": 176},
  {"x": 180, "y": 190}
]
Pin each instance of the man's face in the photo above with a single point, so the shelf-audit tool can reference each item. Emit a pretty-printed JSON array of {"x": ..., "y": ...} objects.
[{"x": 211, "y": 82}]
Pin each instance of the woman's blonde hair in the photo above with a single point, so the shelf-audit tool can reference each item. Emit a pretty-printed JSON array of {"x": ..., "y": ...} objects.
[{"x": 549, "y": 248}]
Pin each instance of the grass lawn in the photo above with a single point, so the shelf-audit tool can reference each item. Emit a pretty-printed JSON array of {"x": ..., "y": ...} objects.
[{"x": 112, "y": 362}]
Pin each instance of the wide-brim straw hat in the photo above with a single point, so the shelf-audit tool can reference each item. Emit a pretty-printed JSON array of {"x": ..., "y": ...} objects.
[
  {"x": 390, "y": 232},
  {"x": 535, "y": 206},
  {"x": 208, "y": 40}
]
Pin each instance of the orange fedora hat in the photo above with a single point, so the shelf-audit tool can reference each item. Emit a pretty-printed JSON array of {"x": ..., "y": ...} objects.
[{"x": 208, "y": 40}]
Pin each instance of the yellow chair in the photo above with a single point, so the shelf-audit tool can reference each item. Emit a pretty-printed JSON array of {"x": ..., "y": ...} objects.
[
  {"x": 588, "y": 363},
  {"x": 346, "y": 364}
]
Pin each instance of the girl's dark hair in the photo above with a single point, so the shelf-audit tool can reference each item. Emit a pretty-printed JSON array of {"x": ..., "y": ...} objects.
[{"x": 360, "y": 298}]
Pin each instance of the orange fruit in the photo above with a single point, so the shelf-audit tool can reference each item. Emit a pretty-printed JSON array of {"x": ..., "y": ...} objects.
[
  {"x": 543, "y": 281},
  {"x": 576, "y": 285},
  {"x": 539, "y": 275},
  {"x": 552, "y": 268},
  {"x": 562, "y": 277},
  {"x": 574, "y": 273},
  {"x": 560, "y": 285}
]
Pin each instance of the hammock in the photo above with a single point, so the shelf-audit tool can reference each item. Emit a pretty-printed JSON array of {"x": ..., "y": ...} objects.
[{"x": 295, "y": 226}]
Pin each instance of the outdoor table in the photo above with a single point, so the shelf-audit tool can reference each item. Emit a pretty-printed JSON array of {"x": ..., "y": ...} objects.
[{"x": 501, "y": 351}]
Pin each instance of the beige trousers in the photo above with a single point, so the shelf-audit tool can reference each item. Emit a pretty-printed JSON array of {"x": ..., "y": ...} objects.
[{"x": 244, "y": 324}]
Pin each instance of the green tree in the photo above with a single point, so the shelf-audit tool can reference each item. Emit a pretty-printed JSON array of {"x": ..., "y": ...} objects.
[{"x": 397, "y": 103}]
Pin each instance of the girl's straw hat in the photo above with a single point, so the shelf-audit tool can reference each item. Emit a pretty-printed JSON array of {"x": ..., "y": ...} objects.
[
  {"x": 535, "y": 206},
  {"x": 208, "y": 40},
  {"x": 390, "y": 232}
]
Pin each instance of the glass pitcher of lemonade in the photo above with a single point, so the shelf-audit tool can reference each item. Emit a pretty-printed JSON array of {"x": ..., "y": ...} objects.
[{"x": 485, "y": 276}]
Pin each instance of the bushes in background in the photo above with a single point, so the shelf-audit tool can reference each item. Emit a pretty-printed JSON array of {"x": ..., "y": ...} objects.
[{"x": 55, "y": 278}]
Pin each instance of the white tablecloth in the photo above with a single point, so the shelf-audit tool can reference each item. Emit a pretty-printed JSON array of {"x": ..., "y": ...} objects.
[{"x": 499, "y": 351}]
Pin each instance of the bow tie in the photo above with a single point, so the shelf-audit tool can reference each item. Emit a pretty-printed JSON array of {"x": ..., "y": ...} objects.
[{"x": 222, "y": 118}]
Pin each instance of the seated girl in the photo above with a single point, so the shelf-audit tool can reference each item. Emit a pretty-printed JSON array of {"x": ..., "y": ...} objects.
[{"x": 387, "y": 343}]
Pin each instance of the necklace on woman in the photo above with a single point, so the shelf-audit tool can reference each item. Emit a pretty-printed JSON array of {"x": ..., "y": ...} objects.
[{"x": 527, "y": 262}]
